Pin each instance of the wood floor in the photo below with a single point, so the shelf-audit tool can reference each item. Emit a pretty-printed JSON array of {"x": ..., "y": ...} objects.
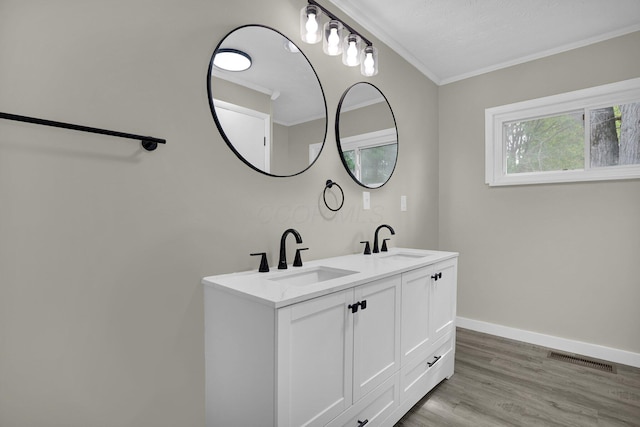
[{"x": 500, "y": 382}]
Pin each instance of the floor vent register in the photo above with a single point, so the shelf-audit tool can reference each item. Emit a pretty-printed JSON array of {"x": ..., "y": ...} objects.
[{"x": 582, "y": 361}]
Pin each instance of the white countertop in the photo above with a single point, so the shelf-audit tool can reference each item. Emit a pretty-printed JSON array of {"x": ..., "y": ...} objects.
[{"x": 266, "y": 288}]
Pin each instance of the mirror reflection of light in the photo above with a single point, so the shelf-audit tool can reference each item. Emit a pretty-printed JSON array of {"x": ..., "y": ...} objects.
[
  {"x": 232, "y": 60},
  {"x": 290, "y": 47}
]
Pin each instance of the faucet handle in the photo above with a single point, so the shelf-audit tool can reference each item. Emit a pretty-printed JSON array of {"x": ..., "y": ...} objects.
[
  {"x": 367, "y": 248},
  {"x": 264, "y": 265},
  {"x": 384, "y": 245},
  {"x": 297, "y": 261}
]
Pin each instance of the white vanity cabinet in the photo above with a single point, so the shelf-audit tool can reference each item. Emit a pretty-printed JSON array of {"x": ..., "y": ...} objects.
[
  {"x": 428, "y": 307},
  {"x": 442, "y": 308},
  {"x": 335, "y": 349},
  {"x": 428, "y": 329},
  {"x": 351, "y": 351}
]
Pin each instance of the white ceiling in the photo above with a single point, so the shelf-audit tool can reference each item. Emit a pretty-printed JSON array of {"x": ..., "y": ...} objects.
[
  {"x": 449, "y": 40},
  {"x": 285, "y": 76}
]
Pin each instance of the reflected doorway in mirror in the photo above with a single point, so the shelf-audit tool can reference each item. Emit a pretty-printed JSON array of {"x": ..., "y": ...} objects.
[{"x": 281, "y": 85}]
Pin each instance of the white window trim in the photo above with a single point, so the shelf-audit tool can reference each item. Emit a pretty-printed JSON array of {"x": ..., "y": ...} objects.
[
  {"x": 368, "y": 140},
  {"x": 597, "y": 97}
]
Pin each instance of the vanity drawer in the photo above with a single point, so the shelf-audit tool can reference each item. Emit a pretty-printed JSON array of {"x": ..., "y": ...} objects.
[
  {"x": 419, "y": 377},
  {"x": 373, "y": 408}
]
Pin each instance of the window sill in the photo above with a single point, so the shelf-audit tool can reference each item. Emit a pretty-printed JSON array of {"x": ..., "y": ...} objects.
[{"x": 601, "y": 174}]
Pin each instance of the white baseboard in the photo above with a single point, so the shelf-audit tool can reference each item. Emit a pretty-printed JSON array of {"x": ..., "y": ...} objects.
[{"x": 556, "y": 343}]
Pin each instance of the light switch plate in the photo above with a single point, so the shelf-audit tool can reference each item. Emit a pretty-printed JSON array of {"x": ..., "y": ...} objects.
[
  {"x": 403, "y": 203},
  {"x": 366, "y": 200}
]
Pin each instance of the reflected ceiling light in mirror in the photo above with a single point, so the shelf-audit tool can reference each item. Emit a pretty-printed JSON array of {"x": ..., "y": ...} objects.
[
  {"x": 232, "y": 60},
  {"x": 310, "y": 28},
  {"x": 290, "y": 47},
  {"x": 354, "y": 48}
]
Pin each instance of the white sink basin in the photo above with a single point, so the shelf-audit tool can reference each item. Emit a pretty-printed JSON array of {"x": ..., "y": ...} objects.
[
  {"x": 311, "y": 276},
  {"x": 406, "y": 256}
]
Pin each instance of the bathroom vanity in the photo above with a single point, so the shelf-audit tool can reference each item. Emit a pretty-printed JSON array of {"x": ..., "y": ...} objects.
[{"x": 348, "y": 341}]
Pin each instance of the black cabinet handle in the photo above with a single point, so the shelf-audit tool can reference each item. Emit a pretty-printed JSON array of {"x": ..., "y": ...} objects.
[
  {"x": 354, "y": 307},
  {"x": 361, "y": 423},
  {"x": 437, "y": 276},
  {"x": 430, "y": 364}
]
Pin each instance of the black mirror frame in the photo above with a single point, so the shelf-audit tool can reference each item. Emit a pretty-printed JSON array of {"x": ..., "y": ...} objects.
[
  {"x": 337, "y": 128},
  {"x": 219, "y": 126}
]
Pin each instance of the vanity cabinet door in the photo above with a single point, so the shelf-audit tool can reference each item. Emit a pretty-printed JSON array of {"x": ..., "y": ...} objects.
[
  {"x": 443, "y": 298},
  {"x": 314, "y": 360},
  {"x": 376, "y": 334},
  {"x": 416, "y": 303}
]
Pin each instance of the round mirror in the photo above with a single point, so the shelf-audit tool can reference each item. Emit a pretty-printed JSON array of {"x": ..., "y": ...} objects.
[
  {"x": 367, "y": 135},
  {"x": 267, "y": 101}
]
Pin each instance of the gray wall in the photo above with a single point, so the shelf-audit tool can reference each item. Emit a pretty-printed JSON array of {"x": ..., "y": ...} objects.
[
  {"x": 280, "y": 149},
  {"x": 366, "y": 119},
  {"x": 301, "y": 136},
  {"x": 103, "y": 246},
  {"x": 559, "y": 259},
  {"x": 236, "y": 94}
]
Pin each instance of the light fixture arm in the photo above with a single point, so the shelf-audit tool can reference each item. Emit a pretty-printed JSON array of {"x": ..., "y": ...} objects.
[{"x": 347, "y": 26}]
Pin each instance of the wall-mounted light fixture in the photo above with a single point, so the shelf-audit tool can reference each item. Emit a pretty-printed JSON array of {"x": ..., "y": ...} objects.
[
  {"x": 310, "y": 29},
  {"x": 338, "y": 38},
  {"x": 332, "y": 38},
  {"x": 351, "y": 50},
  {"x": 369, "y": 61}
]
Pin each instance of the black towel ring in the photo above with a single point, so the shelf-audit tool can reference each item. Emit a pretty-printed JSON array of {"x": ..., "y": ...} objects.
[{"x": 330, "y": 184}]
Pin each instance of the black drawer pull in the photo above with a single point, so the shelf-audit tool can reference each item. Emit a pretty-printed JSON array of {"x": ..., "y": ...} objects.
[
  {"x": 361, "y": 423},
  {"x": 437, "y": 276},
  {"x": 354, "y": 307},
  {"x": 430, "y": 364}
]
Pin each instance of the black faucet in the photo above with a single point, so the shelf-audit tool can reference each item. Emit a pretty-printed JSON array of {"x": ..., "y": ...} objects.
[
  {"x": 282, "y": 263},
  {"x": 375, "y": 237}
]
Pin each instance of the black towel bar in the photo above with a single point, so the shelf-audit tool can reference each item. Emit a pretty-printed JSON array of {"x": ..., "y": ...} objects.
[{"x": 148, "y": 143}]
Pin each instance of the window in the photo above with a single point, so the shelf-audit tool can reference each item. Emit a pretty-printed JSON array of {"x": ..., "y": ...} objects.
[
  {"x": 587, "y": 135},
  {"x": 371, "y": 157}
]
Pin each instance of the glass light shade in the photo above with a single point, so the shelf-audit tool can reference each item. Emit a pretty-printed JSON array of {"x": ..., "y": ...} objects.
[
  {"x": 332, "y": 38},
  {"x": 310, "y": 28},
  {"x": 351, "y": 50},
  {"x": 231, "y": 60},
  {"x": 369, "y": 64}
]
